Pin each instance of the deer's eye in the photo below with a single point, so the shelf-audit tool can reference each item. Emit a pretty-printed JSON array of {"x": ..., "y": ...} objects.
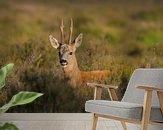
[{"x": 70, "y": 53}]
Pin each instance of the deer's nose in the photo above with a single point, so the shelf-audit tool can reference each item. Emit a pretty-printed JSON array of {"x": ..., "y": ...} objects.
[{"x": 63, "y": 62}]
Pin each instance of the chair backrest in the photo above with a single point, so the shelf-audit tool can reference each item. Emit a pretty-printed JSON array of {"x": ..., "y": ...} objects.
[{"x": 143, "y": 77}]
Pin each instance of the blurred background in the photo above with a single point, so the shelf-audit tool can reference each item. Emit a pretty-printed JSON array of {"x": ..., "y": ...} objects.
[{"x": 119, "y": 35}]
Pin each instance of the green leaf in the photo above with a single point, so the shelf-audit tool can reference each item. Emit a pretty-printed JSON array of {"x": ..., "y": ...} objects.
[
  {"x": 4, "y": 108},
  {"x": 24, "y": 97},
  {"x": 4, "y": 72},
  {"x": 8, "y": 126},
  {"x": 21, "y": 98}
]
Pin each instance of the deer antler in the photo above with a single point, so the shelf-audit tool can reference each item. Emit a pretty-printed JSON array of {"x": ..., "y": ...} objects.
[
  {"x": 62, "y": 31},
  {"x": 71, "y": 30}
]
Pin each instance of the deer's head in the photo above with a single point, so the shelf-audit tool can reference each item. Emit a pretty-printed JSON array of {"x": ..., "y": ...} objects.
[{"x": 66, "y": 51}]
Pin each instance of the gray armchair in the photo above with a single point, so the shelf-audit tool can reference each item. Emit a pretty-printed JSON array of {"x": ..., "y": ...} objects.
[{"x": 142, "y": 102}]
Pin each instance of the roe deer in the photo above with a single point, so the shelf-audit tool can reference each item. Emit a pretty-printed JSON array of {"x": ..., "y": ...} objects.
[{"x": 68, "y": 62}]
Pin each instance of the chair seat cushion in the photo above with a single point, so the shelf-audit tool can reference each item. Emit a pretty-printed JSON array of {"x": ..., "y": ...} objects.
[{"x": 131, "y": 111}]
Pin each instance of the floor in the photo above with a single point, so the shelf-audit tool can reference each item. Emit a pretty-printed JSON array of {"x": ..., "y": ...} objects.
[{"x": 57, "y": 121}]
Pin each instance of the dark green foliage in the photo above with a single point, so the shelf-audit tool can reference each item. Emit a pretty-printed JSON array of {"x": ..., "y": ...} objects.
[{"x": 8, "y": 126}]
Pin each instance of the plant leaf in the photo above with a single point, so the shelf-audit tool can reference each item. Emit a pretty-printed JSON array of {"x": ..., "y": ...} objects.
[
  {"x": 4, "y": 72},
  {"x": 4, "y": 108},
  {"x": 24, "y": 97},
  {"x": 8, "y": 126},
  {"x": 21, "y": 98}
]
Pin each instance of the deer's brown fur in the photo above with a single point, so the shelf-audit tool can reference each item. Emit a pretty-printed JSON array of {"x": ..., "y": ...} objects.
[{"x": 76, "y": 77}]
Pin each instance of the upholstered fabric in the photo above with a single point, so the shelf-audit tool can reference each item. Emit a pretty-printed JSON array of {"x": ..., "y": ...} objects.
[
  {"x": 143, "y": 77},
  {"x": 125, "y": 110}
]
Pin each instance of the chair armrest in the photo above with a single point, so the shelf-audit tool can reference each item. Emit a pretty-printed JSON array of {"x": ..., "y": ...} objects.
[
  {"x": 98, "y": 90},
  {"x": 149, "y": 88},
  {"x": 102, "y": 86}
]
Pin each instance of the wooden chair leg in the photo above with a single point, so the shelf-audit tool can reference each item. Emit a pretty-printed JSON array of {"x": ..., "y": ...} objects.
[
  {"x": 124, "y": 125},
  {"x": 160, "y": 98},
  {"x": 94, "y": 123},
  {"x": 146, "y": 110}
]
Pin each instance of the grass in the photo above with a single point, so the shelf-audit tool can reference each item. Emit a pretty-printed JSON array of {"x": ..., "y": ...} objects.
[
  {"x": 117, "y": 35},
  {"x": 150, "y": 37}
]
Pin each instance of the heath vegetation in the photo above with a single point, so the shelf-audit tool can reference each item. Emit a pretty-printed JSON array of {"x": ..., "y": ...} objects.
[{"x": 117, "y": 35}]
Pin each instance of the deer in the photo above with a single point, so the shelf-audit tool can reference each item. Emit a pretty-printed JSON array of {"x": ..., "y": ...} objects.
[{"x": 66, "y": 52}]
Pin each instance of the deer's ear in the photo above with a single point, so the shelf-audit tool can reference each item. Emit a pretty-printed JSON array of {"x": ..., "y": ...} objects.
[
  {"x": 53, "y": 41},
  {"x": 78, "y": 40}
]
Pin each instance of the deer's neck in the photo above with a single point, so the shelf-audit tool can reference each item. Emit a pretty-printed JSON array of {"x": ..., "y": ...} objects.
[{"x": 72, "y": 74}]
